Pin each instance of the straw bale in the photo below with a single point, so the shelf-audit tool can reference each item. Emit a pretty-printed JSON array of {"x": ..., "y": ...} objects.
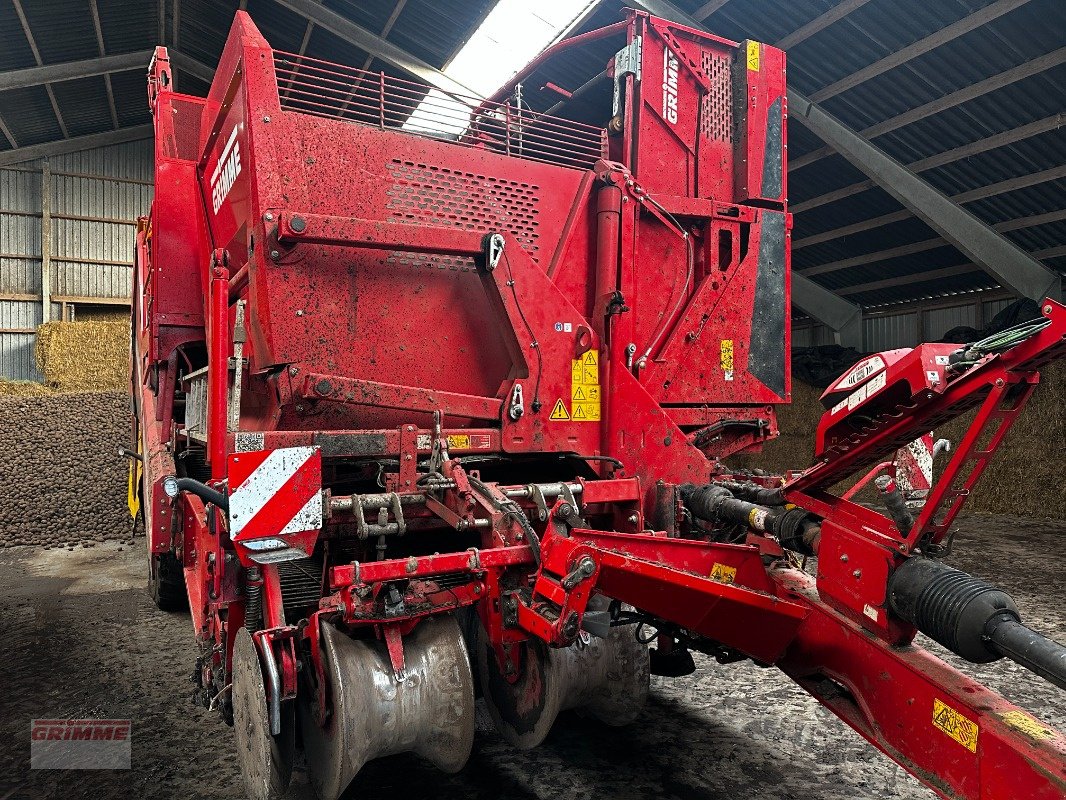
[{"x": 84, "y": 356}]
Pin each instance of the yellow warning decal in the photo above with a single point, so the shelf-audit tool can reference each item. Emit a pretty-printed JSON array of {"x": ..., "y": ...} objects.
[
  {"x": 960, "y": 728},
  {"x": 753, "y": 56},
  {"x": 559, "y": 411},
  {"x": 584, "y": 388},
  {"x": 460, "y": 441},
  {"x": 723, "y": 573},
  {"x": 727, "y": 355},
  {"x": 1021, "y": 721}
]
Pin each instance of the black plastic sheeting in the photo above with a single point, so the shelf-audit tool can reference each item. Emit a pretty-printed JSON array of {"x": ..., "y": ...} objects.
[{"x": 1017, "y": 312}]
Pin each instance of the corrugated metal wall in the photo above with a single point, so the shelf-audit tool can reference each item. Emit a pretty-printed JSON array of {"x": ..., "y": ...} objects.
[
  {"x": 885, "y": 331},
  {"x": 95, "y": 199}
]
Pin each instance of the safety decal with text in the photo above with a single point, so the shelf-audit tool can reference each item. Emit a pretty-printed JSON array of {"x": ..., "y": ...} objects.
[
  {"x": 585, "y": 388},
  {"x": 959, "y": 727},
  {"x": 723, "y": 573},
  {"x": 753, "y": 56},
  {"x": 726, "y": 359}
]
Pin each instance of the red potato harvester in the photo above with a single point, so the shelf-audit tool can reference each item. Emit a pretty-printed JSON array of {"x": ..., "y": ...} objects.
[{"x": 435, "y": 405}]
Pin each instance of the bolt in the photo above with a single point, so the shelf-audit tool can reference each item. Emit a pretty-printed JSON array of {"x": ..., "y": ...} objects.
[
  {"x": 633, "y": 519},
  {"x": 293, "y": 370},
  {"x": 844, "y": 557},
  {"x": 275, "y": 255},
  {"x": 564, "y": 510},
  {"x": 298, "y": 224},
  {"x": 407, "y": 457},
  {"x": 857, "y": 573},
  {"x": 268, "y": 217},
  {"x": 477, "y": 588},
  {"x": 1047, "y": 309},
  {"x": 266, "y": 119},
  {"x": 299, "y": 312}
]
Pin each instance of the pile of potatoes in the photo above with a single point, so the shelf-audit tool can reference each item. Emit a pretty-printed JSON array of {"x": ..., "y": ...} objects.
[{"x": 63, "y": 482}]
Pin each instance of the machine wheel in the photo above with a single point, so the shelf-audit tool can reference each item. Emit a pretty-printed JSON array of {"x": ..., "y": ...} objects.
[
  {"x": 166, "y": 582},
  {"x": 605, "y": 678},
  {"x": 265, "y": 760},
  {"x": 429, "y": 712}
]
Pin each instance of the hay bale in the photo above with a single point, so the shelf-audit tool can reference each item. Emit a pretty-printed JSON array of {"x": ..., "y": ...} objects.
[
  {"x": 1024, "y": 477},
  {"x": 10, "y": 388},
  {"x": 84, "y": 356},
  {"x": 64, "y": 482}
]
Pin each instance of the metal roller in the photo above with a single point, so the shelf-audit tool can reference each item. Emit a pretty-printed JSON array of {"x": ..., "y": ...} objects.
[
  {"x": 430, "y": 712},
  {"x": 607, "y": 678}
]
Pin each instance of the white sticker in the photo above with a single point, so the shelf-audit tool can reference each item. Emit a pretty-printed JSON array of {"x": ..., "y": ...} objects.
[
  {"x": 729, "y": 374},
  {"x": 568, "y": 327},
  {"x": 872, "y": 612},
  {"x": 863, "y": 393},
  {"x": 933, "y": 376},
  {"x": 860, "y": 372},
  {"x": 249, "y": 441},
  {"x": 943, "y": 360}
]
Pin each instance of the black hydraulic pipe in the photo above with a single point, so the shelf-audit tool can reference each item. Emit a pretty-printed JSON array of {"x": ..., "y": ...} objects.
[{"x": 204, "y": 492}]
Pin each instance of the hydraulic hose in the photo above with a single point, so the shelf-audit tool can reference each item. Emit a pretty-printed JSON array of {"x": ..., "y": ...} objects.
[{"x": 201, "y": 490}]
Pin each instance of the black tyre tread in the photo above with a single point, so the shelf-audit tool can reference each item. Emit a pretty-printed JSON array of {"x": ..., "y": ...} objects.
[{"x": 166, "y": 584}]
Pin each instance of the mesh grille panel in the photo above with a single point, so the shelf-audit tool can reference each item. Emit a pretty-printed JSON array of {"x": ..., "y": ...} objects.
[
  {"x": 452, "y": 198},
  {"x": 716, "y": 114},
  {"x": 184, "y": 142}
]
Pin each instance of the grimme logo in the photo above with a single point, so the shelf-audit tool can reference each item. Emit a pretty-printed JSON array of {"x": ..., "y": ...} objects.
[
  {"x": 226, "y": 171},
  {"x": 670, "y": 88},
  {"x": 80, "y": 743}
]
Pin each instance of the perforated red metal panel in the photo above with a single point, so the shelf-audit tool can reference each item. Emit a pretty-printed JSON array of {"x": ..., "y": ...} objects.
[
  {"x": 473, "y": 202},
  {"x": 716, "y": 110}
]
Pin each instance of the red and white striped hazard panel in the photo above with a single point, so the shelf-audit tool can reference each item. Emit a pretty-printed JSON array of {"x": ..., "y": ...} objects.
[{"x": 275, "y": 492}]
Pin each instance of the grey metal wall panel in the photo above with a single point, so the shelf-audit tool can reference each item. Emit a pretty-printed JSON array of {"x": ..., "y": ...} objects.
[
  {"x": 938, "y": 321},
  {"x": 19, "y": 190},
  {"x": 993, "y": 307},
  {"x": 890, "y": 331},
  {"x": 131, "y": 160},
  {"x": 99, "y": 197},
  {"x": 92, "y": 241},
  {"x": 16, "y": 357},
  {"x": 20, "y": 276},
  {"x": 20, "y": 235},
  {"x": 801, "y": 337},
  {"x": 19, "y": 314},
  {"x": 82, "y": 279}
]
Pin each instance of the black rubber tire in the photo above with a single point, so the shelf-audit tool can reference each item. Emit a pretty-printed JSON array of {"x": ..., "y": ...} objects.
[{"x": 166, "y": 583}]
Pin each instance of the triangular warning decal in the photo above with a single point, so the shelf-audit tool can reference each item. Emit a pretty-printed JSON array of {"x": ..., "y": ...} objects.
[
  {"x": 578, "y": 394},
  {"x": 579, "y": 412},
  {"x": 590, "y": 358},
  {"x": 559, "y": 412}
]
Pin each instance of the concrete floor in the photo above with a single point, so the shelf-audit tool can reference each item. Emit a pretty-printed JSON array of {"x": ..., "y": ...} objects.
[{"x": 87, "y": 642}]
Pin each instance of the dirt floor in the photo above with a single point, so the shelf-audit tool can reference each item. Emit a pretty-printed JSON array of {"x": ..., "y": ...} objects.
[{"x": 87, "y": 642}]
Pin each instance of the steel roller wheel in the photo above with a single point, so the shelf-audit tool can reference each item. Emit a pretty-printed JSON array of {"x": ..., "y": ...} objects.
[
  {"x": 265, "y": 760},
  {"x": 605, "y": 678},
  {"x": 373, "y": 714}
]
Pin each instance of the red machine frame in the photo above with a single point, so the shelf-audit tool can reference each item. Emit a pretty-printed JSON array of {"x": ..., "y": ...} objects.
[{"x": 247, "y": 271}]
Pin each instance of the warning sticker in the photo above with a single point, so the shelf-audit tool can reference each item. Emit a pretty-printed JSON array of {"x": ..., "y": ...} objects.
[
  {"x": 1021, "y": 721},
  {"x": 584, "y": 389},
  {"x": 457, "y": 441},
  {"x": 559, "y": 411},
  {"x": 723, "y": 573},
  {"x": 753, "y": 56},
  {"x": 726, "y": 359},
  {"x": 960, "y": 728}
]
